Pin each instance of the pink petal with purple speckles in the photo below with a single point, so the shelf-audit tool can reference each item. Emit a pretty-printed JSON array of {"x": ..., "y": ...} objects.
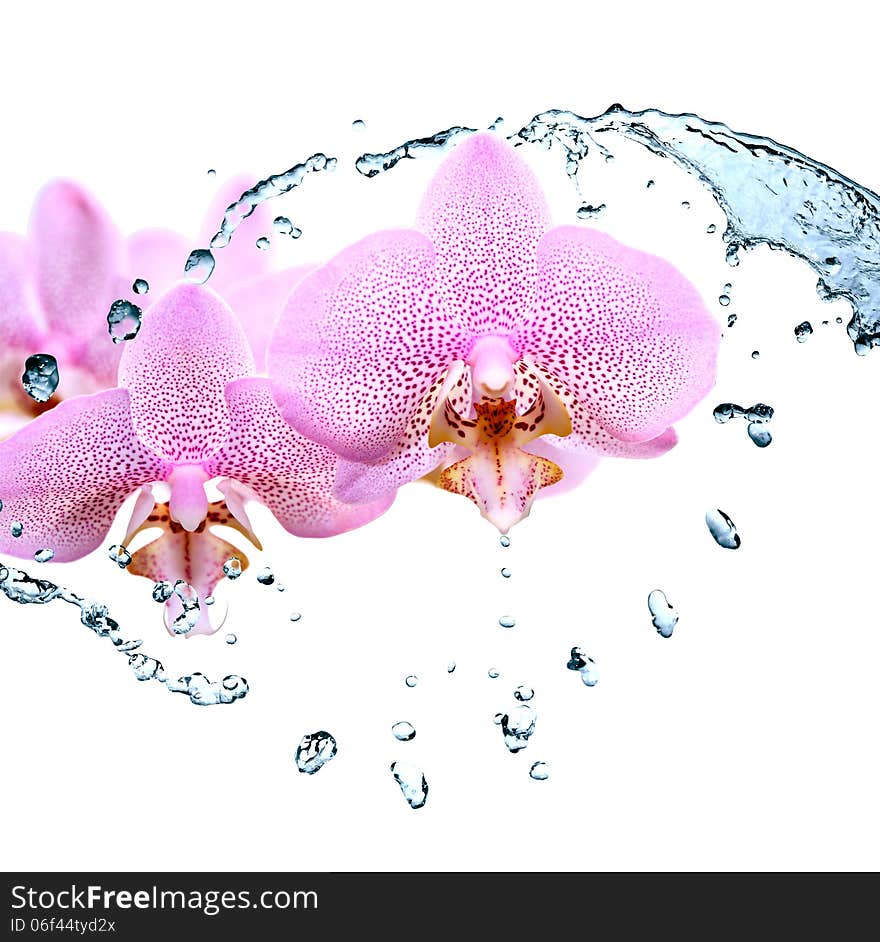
[
  {"x": 361, "y": 342},
  {"x": 258, "y": 303},
  {"x": 79, "y": 257},
  {"x": 190, "y": 346},
  {"x": 625, "y": 331},
  {"x": 21, "y": 325},
  {"x": 291, "y": 475},
  {"x": 65, "y": 475},
  {"x": 485, "y": 213},
  {"x": 241, "y": 259}
]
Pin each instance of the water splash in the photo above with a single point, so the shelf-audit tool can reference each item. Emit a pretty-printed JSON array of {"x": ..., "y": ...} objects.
[
  {"x": 40, "y": 378},
  {"x": 124, "y": 320},
  {"x": 758, "y": 416},
  {"x": 23, "y": 589},
  {"x": 771, "y": 194},
  {"x": 722, "y": 529},
  {"x": 315, "y": 751},
  {"x": 403, "y": 731},
  {"x": 664, "y": 616},
  {"x": 517, "y": 726},
  {"x": 412, "y": 782},
  {"x": 581, "y": 662}
]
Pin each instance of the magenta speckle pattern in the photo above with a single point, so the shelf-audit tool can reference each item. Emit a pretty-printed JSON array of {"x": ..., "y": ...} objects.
[
  {"x": 190, "y": 346},
  {"x": 291, "y": 475},
  {"x": 65, "y": 475}
]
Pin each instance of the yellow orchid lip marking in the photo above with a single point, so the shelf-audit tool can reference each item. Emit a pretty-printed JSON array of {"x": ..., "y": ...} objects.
[{"x": 499, "y": 475}]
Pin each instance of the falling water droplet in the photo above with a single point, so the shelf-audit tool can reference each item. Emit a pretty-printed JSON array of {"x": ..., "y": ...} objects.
[
  {"x": 280, "y": 587},
  {"x": 760, "y": 434},
  {"x": 803, "y": 331},
  {"x": 403, "y": 731},
  {"x": 588, "y": 211},
  {"x": 523, "y": 693},
  {"x": 649, "y": 184},
  {"x": 579, "y": 661},
  {"x": 725, "y": 411},
  {"x": 44, "y": 555},
  {"x": 506, "y": 573},
  {"x": 199, "y": 266},
  {"x": 507, "y": 621},
  {"x": 450, "y": 667},
  {"x": 231, "y": 638},
  {"x": 209, "y": 600},
  {"x": 119, "y": 555},
  {"x": 123, "y": 321},
  {"x": 685, "y": 204},
  {"x": 212, "y": 173},
  {"x": 263, "y": 243},
  {"x": 16, "y": 529},
  {"x": 412, "y": 782},
  {"x": 493, "y": 673},
  {"x": 283, "y": 226},
  {"x": 162, "y": 591},
  {"x": 722, "y": 529},
  {"x": 724, "y": 299},
  {"x": 315, "y": 751},
  {"x": 540, "y": 771},
  {"x": 665, "y": 617},
  {"x": 295, "y": 616},
  {"x": 191, "y": 609},
  {"x": 411, "y": 680},
  {"x": 40, "y": 378},
  {"x": 756, "y": 354},
  {"x": 232, "y": 568},
  {"x": 731, "y": 320},
  {"x": 498, "y": 718},
  {"x": 711, "y": 228},
  {"x": 140, "y": 286},
  {"x": 358, "y": 124},
  {"x": 266, "y": 576},
  {"x": 518, "y": 726},
  {"x": 505, "y": 540}
]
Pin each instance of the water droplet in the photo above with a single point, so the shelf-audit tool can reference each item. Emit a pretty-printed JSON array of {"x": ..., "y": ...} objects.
[
  {"x": 759, "y": 412},
  {"x": 232, "y": 568},
  {"x": 685, "y": 204},
  {"x": 731, "y": 320},
  {"x": 507, "y": 621},
  {"x": 506, "y": 573},
  {"x": 450, "y": 667},
  {"x": 231, "y": 638},
  {"x": 1, "y": 504},
  {"x": 212, "y": 173},
  {"x": 191, "y": 609},
  {"x": 140, "y": 286},
  {"x": 505, "y": 540},
  {"x": 665, "y": 617},
  {"x": 403, "y": 731},
  {"x": 16, "y": 529},
  {"x": 540, "y": 771},
  {"x": 209, "y": 600},
  {"x": 162, "y": 591},
  {"x": 40, "y": 378},
  {"x": 412, "y": 783},
  {"x": 263, "y": 243},
  {"x": 518, "y": 726},
  {"x": 756, "y": 354},
  {"x": 295, "y": 616},
  {"x": 119, "y": 555},
  {"x": 725, "y": 411},
  {"x": 649, "y": 184},
  {"x": 803, "y": 331},
  {"x": 760, "y": 434},
  {"x": 358, "y": 124},
  {"x": 493, "y": 673},
  {"x": 266, "y": 576},
  {"x": 44, "y": 555},
  {"x": 722, "y": 529},
  {"x": 285, "y": 227},
  {"x": 579, "y": 661},
  {"x": 199, "y": 266},
  {"x": 588, "y": 211},
  {"x": 315, "y": 751},
  {"x": 411, "y": 680},
  {"x": 711, "y": 228},
  {"x": 280, "y": 587},
  {"x": 724, "y": 299},
  {"x": 498, "y": 718},
  {"x": 523, "y": 693},
  {"x": 838, "y": 320},
  {"x": 727, "y": 287},
  {"x": 123, "y": 321}
]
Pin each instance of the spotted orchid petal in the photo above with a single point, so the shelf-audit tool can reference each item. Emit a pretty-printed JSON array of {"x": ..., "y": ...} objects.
[
  {"x": 361, "y": 342},
  {"x": 258, "y": 302},
  {"x": 78, "y": 258},
  {"x": 65, "y": 475},
  {"x": 21, "y": 324},
  {"x": 240, "y": 260},
  {"x": 624, "y": 330},
  {"x": 158, "y": 256},
  {"x": 190, "y": 346},
  {"x": 288, "y": 473}
]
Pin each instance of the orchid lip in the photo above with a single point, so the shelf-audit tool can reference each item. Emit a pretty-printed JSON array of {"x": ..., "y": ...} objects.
[
  {"x": 491, "y": 361},
  {"x": 189, "y": 502}
]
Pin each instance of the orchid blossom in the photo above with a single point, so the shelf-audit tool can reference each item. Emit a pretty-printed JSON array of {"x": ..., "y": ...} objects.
[
  {"x": 57, "y": 285},
  {"x": 489, "y": 345},
  {"x": 188, "y": 409}
]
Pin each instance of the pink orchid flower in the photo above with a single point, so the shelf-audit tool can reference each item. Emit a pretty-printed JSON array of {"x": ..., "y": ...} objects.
[
  {"x": 490, "y": 345},
  {"x": 188, "y": 409},
  {"x": 57, "y": 285}
]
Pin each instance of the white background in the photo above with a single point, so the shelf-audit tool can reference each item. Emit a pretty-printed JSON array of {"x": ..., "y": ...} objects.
[{"x": 747, "y": 741}]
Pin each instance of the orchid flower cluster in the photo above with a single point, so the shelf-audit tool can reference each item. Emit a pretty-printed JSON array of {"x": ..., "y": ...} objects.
[{"x": 482, "y": 349}]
